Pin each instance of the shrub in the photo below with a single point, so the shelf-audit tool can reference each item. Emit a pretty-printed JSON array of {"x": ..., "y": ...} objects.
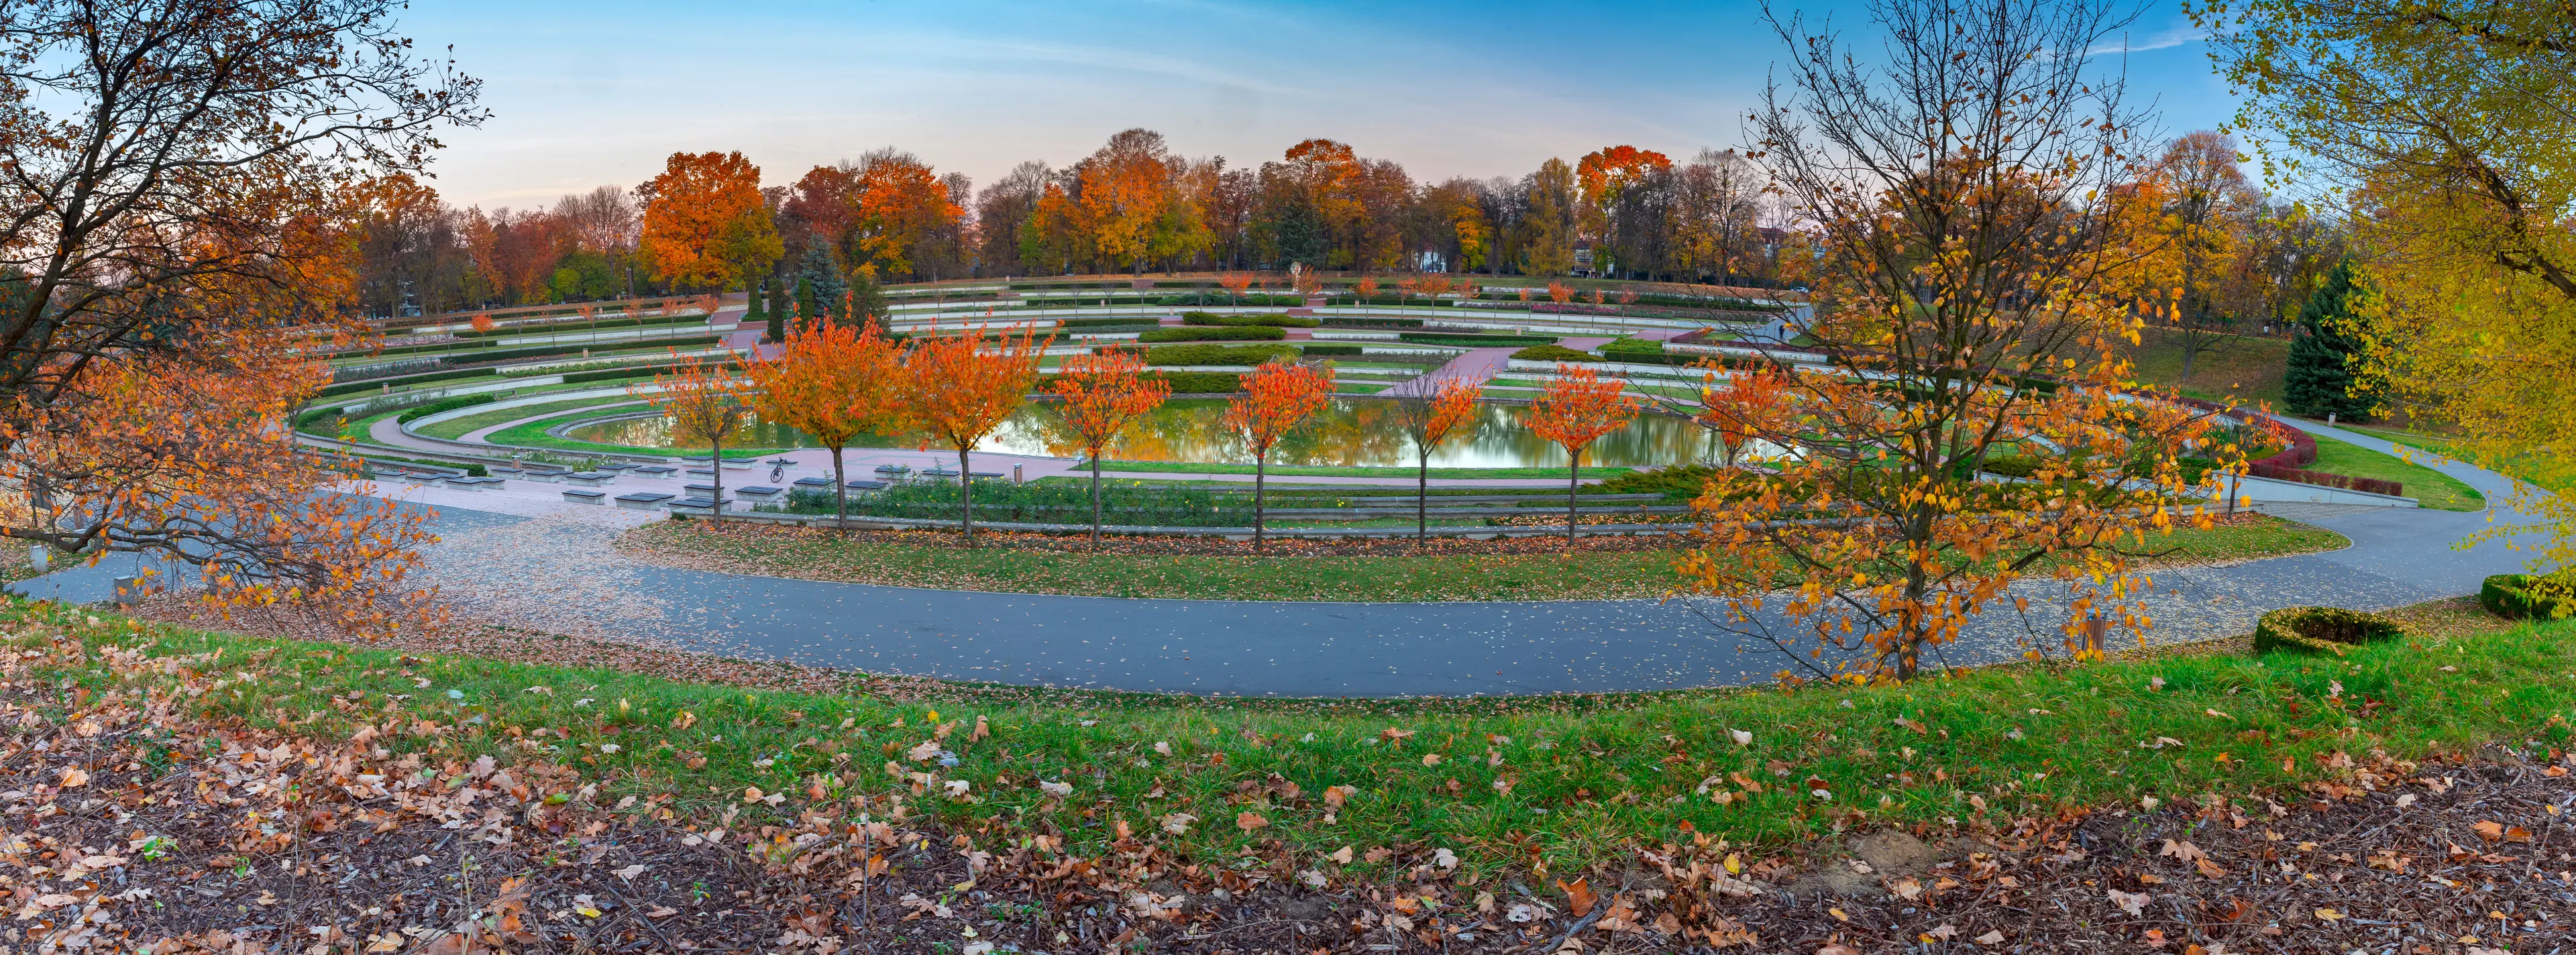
[
  {"x": 616, "y": 373},
  {"x": 1319, "y": 350},
  {"x": 2527, "y": 597},
  {"x": 1200, "y": 382},
  {"x": 445, "y": 404},
  {"x": 1474, "y": 339},
  {"x": 1257, "y": 333},
  {"x": 2321, "y": 630},
  {"x": 1624, "y": 348},
  {"x": 1553, "y": 353},
  {"x": 1106, "y": 322},
  {"x": 2013, "y": 465},
  {"x": 1680, "y": 483},
  {"x": 1283, "y": 321},
  {"x": 1218, "y": 354},
  {"x": 2266, "y": 469},
  {"x": 1368, "y": 321},
  {"x": 354, "y": 387},
  {"x": 576, "y": 326}
]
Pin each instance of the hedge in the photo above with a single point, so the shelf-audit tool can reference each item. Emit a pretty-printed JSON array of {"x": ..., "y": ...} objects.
[
  {"x": 406, "y": 381},
  {"x": 2524, "y": 596},
  {"x": 416, "y": 349},
  {"x": 1633, "y": 346},
  {"x": 1553, "y": 353},
  {"x": 1098, "y": 322},
  {"x": 1280, "y": 320},
  {"x": 1218, "y": 354},
  {"x": 1475, "y": 339},
  {"x": 1317, "y": 350},
  {"x": 471, "y": 470},
  {"x": 544, "y": 351},
  {"x": 2321, "y": 630},
  {"x": 2266, "y": 469},
  {"x": 2013, "y": 465},
  {"x": 1200, "y": 382},
  {"x": 1364, "y": 321},
  {"x": 551, "y": 327},
  {"x": 609, "y": 374},
  {"x": 1254, "y": 333}
]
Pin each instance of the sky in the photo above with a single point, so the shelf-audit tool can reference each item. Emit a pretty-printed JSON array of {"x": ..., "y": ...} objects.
[{"x": 588, "y": 93}]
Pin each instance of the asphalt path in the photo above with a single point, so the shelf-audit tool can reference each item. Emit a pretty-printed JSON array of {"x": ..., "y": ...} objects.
[{"x": 561, "y": 575}]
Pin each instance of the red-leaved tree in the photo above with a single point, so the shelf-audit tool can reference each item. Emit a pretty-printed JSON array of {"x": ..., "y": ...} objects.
[
  {"x": 1579, "y": 407},
  {"x": 1276, "y": 398}
]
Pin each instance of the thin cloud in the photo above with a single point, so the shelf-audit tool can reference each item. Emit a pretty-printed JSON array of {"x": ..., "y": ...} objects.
[{"x": 2174, "y": 37}]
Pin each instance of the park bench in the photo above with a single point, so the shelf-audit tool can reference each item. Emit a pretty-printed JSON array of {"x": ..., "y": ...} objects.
[
  {"x": 579, "y": 496},
  {"x": 694, "y": 505},
  {"x": 862, "y": 485},
  {"x": 893, "y": 469},
  {"x": 757, "y": 492},
  {"x": 816, "y": 483},
  {"x": 642, "y": 500},
  {"x": 656, "y": 470},
  {"x": 589, "y": 478}
]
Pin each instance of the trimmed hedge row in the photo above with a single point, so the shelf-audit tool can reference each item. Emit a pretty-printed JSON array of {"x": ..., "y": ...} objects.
[
  {"x": 1102, "y": 322},
  {"x": 1553, "y": 352},
  {"x": 1250, "y": 333},
  {"x": 1219, "y": 354},
  {"x": 2321, "y": 630},
  {"x": 1364, "y": 321},
  {"x": 611, "y": 374},
  {"x": 1318, "y": 350},
  {"x": 1279, "y": 320},
  {"x": 1475, "y": 339},
  {"x": 405, "y": 381},
  {"x": 1200, "y": 382},
  {"x": 2266, "y": 469},
  {"x": 2529, "y": 597},
  {"x": 581, "y": 326}
]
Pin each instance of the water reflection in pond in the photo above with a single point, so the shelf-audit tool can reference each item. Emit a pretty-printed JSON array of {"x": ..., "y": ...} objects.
[{"x": 1352, "y": 431}]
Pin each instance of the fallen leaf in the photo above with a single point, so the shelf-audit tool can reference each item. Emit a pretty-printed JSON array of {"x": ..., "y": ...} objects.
[
  {"x": 2182, "y": 851},
  {"x": 1341, "y": 855},
  {"x": 1995, "y": 937},
  {"x": 1178, "y": 823},
  {"x": 75, "y": 777},
  {"x": 2134, "y": 903},
  {"x": 1578, "y": 896},
  {"x": 1250, "y": 821},
  {"x": 1742, "y": 738}
]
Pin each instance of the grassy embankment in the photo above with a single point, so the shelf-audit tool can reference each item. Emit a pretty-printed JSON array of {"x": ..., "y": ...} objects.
[
  {"x": 1395, "y": 575},
  {"x": 2432, "y": 488},
  {"x": 1505, "y": 783}
]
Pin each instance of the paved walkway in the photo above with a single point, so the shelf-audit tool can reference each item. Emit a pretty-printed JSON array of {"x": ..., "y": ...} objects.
[
  {"x": 1476, "y": 366},
  {"x": 535, "y": 564}
]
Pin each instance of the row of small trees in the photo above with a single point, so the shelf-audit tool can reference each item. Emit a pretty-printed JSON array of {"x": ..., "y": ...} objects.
[{"x": 836, "y": 383}]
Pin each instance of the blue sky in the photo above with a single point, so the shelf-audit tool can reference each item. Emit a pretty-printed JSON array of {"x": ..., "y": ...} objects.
[{"x": 591, "y": 93}]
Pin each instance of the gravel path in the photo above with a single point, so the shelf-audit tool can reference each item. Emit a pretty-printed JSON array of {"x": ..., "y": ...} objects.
[{"x": 550, "y": 568}]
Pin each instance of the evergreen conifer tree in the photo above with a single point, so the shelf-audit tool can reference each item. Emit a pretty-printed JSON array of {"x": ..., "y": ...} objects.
[
  {"x": 764, "y": 304},
  {"x": 824, "y": 275},
  {"x": 2319, "y": 381},
  {"x": 806, "y": 309},
  {"x": 867, "y": 298}
]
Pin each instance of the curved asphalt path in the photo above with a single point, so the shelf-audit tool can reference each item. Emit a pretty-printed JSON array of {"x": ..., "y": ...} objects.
[{"x": 561, "y": 575}]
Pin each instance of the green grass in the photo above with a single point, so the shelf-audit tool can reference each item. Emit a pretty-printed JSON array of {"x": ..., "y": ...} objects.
[
  {"x": 455, "y": 428},
  {"x": 1182, "y": 467},
  {"x": 533, "y": 435},
  {"x": 2242, "y": 369},
  {"x": 1396, "y": 575},
  {"x": 1568, "y": 781},
  {"x": 2432, "y": 488}
]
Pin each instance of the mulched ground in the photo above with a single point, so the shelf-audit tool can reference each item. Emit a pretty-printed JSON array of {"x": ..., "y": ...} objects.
[{"x": 128, "y": 824}]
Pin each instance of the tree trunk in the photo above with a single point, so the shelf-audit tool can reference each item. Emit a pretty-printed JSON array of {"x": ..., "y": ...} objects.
[
  {"x": 965, "y": 497},
  {"x": 840, "y": 492},
  {"x": 1573, "y": 480},
  {"x": 1095, "y": 499},
  {"x": 1422, "y": 498},
  {"x": 1260, "y": 476},
  {"x": 715, "y": 464}
]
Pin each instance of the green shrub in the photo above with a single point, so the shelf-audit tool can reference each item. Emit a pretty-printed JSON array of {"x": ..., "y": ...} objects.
[
  {"x": 1475, "y": 340},
  {"x": 1257, "y": 333},
  {"x": 1318, "y": 350},
  {"x": 445, "y": 404},
  {"x": 406, "y": 381},
  {"x": 471, "y": 470},
  {"x": 1624, "y": 348},
  {"x": 603, "y": 324},
  {"x": 1553, "y": 353},
  {"x": 1283, "y": 321},
  {"x": 2321, "y": 630},
  {"x": 1370, "y": 321},
  {"x": 2524, "y": 596},
  {"x": 612, "y": 374},
  {"x": 1200, "y": 382},
  {"x": 1219, "y": 354},
  {"x": 1680, "y": 483},
  {"x": 1105, "y": 322},
  {"x": 2013, "y": 465}
]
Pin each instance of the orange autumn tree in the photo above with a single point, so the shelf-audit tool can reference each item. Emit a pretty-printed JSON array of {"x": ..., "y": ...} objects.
[
  {"x": 1276, "y": 398},
  {"x": 1969, "y": 258},
  {"x": 834, "y": 383},
  {"x": 1430, "y": 417},
  {"x": 705, "y": 222},
  {"x": 1365, "y": 288},
  {"x": 1578, "y": 407},
  {"x": 1234, "y": 283},
  {"x": 1099, "y": 396},
  {"x": 958, "y": 389},
  {"x": 481, "y": 323},
  {"x": 702, "y": 400},
  {"x": 1749, "y": 403}
]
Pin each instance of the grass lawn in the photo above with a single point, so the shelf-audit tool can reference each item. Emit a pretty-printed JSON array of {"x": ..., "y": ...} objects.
[
  {"x": 2438, "y": 445},
  {"x": 455, "y": 428},
  {"x": 2433, "y": 488},
  {"x": 2242, "y": 369},
  {"x": 1508, "y": 784},
  {"x": 1177, "y": 467},
  {"x": 1397, "y": 575}
]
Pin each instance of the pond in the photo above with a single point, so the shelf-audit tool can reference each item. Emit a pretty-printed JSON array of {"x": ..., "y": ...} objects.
[{"x": 1350, "y": 432}]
